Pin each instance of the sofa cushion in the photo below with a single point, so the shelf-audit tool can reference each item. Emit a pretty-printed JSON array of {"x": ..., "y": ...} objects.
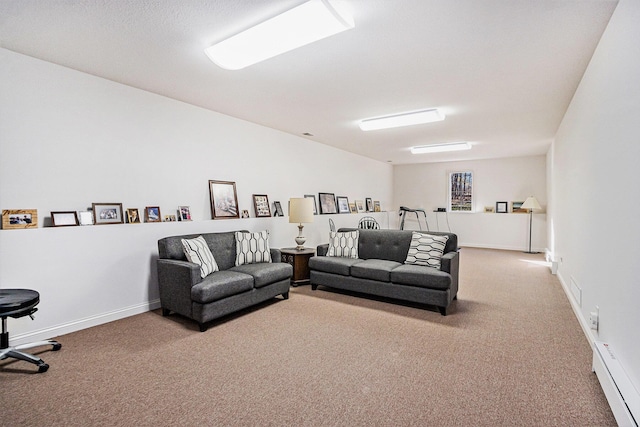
[
  {"x": 335, "y": 265},
  {"x": 421, "y": 276},
  {"x": 374, "y": 269},
  {"x": 197, "y": 251},
  {"x": 221, "y": 284},
  {"x": 265, "y": 274},
  {"x": 252, "y": 248},
  {"x": 426, "y": 249},
  {"x": 343, "y": 244}
]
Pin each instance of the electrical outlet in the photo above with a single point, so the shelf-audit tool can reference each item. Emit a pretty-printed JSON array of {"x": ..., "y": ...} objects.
[{"x": 594, "y": 319}]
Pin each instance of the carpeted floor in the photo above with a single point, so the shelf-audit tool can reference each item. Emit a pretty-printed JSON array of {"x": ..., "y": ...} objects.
[{"x": 509, "y": 353}]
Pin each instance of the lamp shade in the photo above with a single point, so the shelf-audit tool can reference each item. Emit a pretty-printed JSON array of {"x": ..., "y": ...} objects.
[
  {"x": 301, "y": 210},
  {"x": 531, "y": 203}
]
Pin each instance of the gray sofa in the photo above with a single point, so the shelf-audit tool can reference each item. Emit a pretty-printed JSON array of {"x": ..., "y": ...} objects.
[
  {"x": 233, "y": 288},
  {"x": 380, "y": 270}
]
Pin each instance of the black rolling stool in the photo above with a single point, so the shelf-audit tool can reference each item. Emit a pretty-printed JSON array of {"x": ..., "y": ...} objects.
[{"x": 18, "y": 303}]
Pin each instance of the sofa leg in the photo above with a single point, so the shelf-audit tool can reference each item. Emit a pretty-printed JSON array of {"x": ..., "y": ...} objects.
[
  {"x": 443, "y": 310},
  {"x": 165, "y": 312},
  {"x": 285, "y": 295},
  {"x": 314, "y": 287},
  {"x": 203, "y": 327}
]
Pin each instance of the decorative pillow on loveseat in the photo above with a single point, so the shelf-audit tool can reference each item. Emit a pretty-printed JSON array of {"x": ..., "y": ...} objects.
[
  {"x": 426, "y": 249},
  {"x": 252, "y": 248},
  {"x": 197, "y": 251},
  {"x": 343, "y": 244}
]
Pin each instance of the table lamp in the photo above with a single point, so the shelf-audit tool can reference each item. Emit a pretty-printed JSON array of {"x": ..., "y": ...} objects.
[
  {"x": 531, "y": 203},
  {"x": 300, "y": 211}
]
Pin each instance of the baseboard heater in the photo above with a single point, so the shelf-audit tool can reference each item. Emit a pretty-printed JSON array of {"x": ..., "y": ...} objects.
[{"x": 622, "y": 396}]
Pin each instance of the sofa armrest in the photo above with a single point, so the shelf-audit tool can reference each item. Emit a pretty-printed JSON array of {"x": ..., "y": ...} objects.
[
  {"x": 322, "y": 250},
  {"x": 276, "y": 255},
  {"x": 450, "y": 263},
  {"x": 175, "y": 280}
]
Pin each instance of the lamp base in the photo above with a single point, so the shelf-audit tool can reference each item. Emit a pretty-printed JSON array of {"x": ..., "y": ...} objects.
[{"x": 300, "y": 239}]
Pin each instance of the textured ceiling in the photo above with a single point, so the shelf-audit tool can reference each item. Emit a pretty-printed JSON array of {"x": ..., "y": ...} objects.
[{"x": 504, "y": 71}]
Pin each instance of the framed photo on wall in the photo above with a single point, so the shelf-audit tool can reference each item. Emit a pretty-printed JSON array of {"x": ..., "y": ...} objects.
[
  {"x": 327, "y": 203},
  {"x": 315, "y": 207},
  {"x": 343, "y": 204},
  {"x": 224, "y": 199},
  {"x": 107, "y": 213},
  {"x": 19, "y": 218},
  {"x": 152, "y": 214},
  {"x": 261, "y": 205},
  {"x": 64, "y": 219}
]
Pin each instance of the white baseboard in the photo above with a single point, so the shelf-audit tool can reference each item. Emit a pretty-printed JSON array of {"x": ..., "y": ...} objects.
[
  {"x": 500, "y": 247},
  {"x": 85, "y": 323}
]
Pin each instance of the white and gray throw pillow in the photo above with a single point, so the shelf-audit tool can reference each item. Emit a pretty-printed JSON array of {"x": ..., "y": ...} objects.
[
  {"x": 343, "y": 244},
  {"x": 252, "y": 248},
  {"x": 426, "y": 249},
  {"x": 197, "y": 251}
]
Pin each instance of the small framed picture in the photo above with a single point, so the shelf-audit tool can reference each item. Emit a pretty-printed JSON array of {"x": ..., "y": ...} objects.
[
  {"x": 369, "y": 203},
  {"x": 261, "y": 205},
  {"x": 516, "y": 207},
  {"x": 133, "y": 216},
  {"x": 353, "y": 208},
  {"x": 315, "y": 207},
  {"x": 64, "y": 218},
  {"x": 85, "y": 217},
  {"x": 245, "y": 213},
  {"x": 185, "y": 213},
  {"x": 327, "y": 203},
  {"x": 152, "y": 214},
  {"x": 170, "y": 218},
  {"x": 376, "y": 206},
  {"x": 360, "y": 206},
  {"x": 19, "y": 218},
  {"x": 224, "y": 199},
  {"x": 107, "y": 213},
  {"x": 278, "y": 209},
  {"x": 489, "y": 209},
  {"x": 502, "y": 207},
  {"x": 343, "y": 204}
]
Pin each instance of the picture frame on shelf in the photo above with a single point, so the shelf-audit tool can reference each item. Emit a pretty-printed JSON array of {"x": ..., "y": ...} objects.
[
  {"x": 369, "y": 204},
  {"x": 85, "y": 217},
  {"x": 15, "y": 219},
  {"x": 360, "y": 206},
  {"x": 352, "y": 207},
  {"x": 516, "y": 207},
  {"x": 170, "y": 218},
  {"x": 502, "y": 207},
  {"x": 261, "y": 205},
  {"x": 327, "y": 203},
  {"x": 245, "y": 213},
  {"x": 184, "y": 213},
  {"x": 152, "y": 214},
  {"x": 489, "y": 209},
  {"x": 343, "y": 204},
  {"x": 224, "y": 199},
  {"x": 315, "y": 206},
  {"x": 277, "y": 209},
  {"x": 376, "y": 206},
  {"x": 133, "y": 216},
  {"x": 64, "y": 218},
  {"x": 107, "y": 213}
]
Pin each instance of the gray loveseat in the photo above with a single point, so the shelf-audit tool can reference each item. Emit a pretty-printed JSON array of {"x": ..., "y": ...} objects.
[
  {"x": 380, "y": 269},
  {"x": 232, "y": 288}
]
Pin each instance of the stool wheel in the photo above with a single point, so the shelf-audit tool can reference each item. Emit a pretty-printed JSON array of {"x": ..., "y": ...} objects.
[
  {"x": 57, "y": 346},
  {"x": 43, "y": 367}
]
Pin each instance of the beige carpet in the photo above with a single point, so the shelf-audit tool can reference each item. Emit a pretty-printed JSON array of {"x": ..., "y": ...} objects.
[{"x": 509, "y": 353}]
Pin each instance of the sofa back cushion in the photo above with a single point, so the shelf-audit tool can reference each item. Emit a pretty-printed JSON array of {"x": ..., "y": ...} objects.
[
  {"x": 392, "y": 245},
  {"x": 222, "y": 246}
]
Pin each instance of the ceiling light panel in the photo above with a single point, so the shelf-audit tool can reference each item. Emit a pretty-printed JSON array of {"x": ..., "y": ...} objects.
[
  {"x": 402, "y": 119},
  {"x": 304, "y": 24},
  {"x": 441, "y": 148}
]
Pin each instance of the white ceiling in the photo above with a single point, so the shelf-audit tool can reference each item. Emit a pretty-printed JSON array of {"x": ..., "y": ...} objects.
[{"x": 504, "y": 71}]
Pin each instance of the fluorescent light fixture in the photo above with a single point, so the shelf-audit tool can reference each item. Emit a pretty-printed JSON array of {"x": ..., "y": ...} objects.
[
  {"x": 440, "y": 148},
  {"x": 402, "y": 119},
  {"x": 304, "y": 24}
]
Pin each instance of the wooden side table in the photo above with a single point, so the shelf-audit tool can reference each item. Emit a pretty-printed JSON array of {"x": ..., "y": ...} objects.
[{"x": 299, "y": 260}]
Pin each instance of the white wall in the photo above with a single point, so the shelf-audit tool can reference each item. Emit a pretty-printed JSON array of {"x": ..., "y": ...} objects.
[
  {"x": 511, "y": 179},
  {"x": 596, "y": 197},
  {"x": 69, "y": 139}
]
